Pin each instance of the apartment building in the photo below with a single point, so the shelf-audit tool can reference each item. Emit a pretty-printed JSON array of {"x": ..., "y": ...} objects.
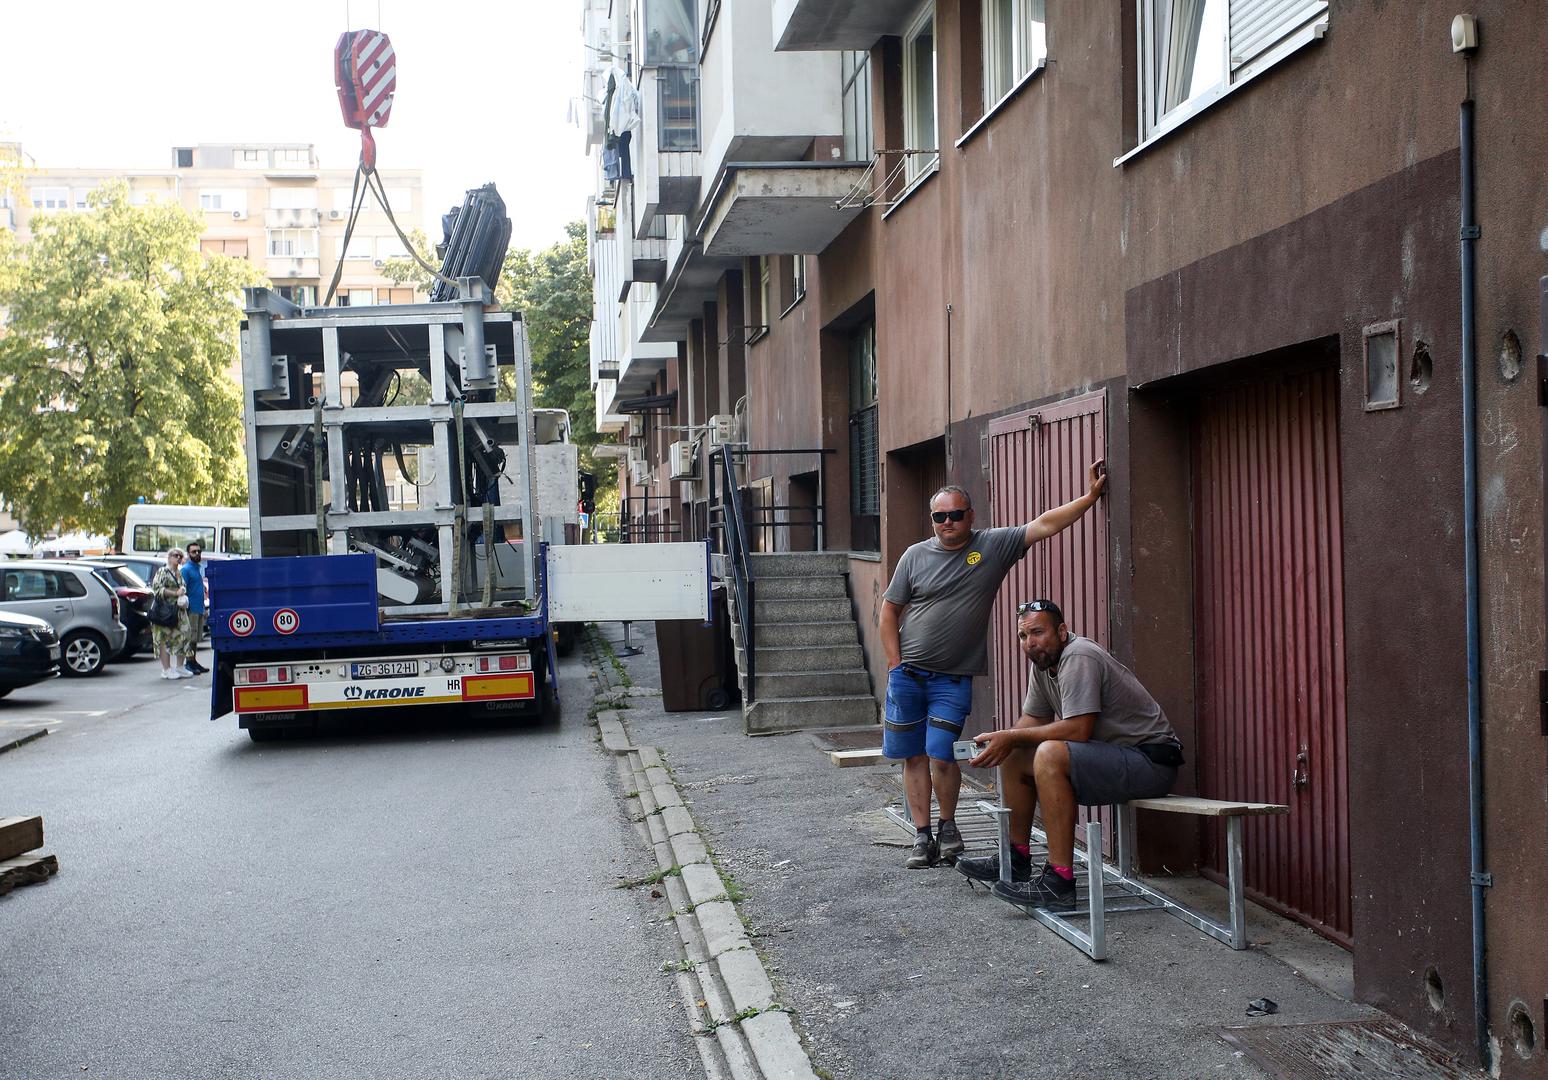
[
  {"x": 1224, "y": 244},
  {"x": 273, "y": 204}
]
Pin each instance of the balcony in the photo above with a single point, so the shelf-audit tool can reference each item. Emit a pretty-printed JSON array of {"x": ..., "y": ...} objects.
[
  {"x": 780, "y": 208},
  {"x": 801, "y": 25},
  {"x": 642, "y": 361},
  {"x": 666, "y": 153},
  {"x": 289, "y": 268},
  {"x": 291, "y": 219}
]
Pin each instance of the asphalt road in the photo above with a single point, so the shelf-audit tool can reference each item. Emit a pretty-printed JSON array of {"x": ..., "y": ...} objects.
[{"x": 429, "y": 900}]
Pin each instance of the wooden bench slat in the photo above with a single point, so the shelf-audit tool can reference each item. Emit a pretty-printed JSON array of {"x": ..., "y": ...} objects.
[
  {"x": 848, "y": 759},
  {"x": 1189, "y": 804}
]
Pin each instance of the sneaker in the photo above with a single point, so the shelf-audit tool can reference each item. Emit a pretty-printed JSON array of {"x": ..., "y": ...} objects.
[
  {"x": 166, "y": 673},
  {"x": 926, "y": 852},
  {"x": 187, "y": 672},
  {"x": 197, "y": 668},
  {"x": 179, "y": 673},
  {"x": 987, "y": 867},
  {"x": 950, "y": 839},
  {"x": 1048, "y": 890}
]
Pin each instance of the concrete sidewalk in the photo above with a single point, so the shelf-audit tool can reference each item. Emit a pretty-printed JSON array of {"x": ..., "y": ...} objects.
[{"x": 899, "y": 973}]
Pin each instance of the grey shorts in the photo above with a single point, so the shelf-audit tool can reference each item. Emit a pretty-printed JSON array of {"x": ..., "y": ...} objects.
[{"x": 1105, "y": 773}]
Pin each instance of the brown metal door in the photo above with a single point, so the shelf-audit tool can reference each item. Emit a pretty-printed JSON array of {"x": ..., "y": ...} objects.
[
  {"x": 1269, "y": 615},
  {"x": 1038, "y": 459}
]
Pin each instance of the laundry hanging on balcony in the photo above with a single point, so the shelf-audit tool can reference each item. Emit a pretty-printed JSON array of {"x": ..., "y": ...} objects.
[{"x": 621, "y": 115}]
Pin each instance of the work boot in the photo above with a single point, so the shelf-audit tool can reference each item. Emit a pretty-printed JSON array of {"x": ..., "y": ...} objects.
[
  {"x": 950, "y": 839},
  {"x": 925, "y": 853},
  {"x": 1048, "y": 890},
  {"x": 987, "y": 867}
]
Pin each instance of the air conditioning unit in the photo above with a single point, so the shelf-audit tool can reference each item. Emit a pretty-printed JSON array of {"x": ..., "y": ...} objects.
[
  {"x": 239, "y": 215},
  {"x": 636, "y": 426},
  {"x": 722, "y": 429},
  {"x": 379, "y": 263},
  {"x": 335, "y": 215},
  {"x": 634, "y": 454},
  {"x": 685, "y": 463},
  {"x": 639, "y": 473}
]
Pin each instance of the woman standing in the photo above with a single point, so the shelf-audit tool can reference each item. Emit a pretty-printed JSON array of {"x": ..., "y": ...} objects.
[{"x": 172, "y": 641}]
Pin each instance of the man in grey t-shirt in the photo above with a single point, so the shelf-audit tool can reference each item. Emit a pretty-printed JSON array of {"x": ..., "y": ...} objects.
[
  {"x": 934, "y": 624},
  {"x": 1089, "y": 735}
]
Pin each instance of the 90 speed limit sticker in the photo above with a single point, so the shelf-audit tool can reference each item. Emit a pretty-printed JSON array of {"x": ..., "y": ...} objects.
[
  {"x": 242, "y": 623},
  {"x": 286, "y": 621}
]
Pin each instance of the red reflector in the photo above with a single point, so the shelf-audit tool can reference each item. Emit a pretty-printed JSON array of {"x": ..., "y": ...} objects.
[
  {"x": 507, "y": 663},
  {"x": 258, "y": 675}
]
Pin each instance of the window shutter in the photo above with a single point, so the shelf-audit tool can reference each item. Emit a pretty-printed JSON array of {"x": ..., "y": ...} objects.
[
  {"x": 864, "y": 463},
  {"x": 1259, "y": 25}
]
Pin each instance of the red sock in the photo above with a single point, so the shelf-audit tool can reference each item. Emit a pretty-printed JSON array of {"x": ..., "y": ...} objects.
[
  {"x": 1066, "y": 872},
  {"x": 1024, "y": 850}
]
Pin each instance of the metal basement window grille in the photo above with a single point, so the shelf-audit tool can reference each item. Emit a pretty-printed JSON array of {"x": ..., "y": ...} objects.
[{"x": 864, "y": 462}]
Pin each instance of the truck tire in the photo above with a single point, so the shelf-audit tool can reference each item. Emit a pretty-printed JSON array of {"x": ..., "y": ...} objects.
[{"x": 568, "y": 633}]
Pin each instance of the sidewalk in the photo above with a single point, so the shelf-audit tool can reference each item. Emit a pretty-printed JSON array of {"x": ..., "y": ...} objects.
[{"x": 907, "y": 973}]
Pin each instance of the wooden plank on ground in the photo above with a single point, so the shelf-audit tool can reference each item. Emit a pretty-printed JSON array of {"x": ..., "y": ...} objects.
[
  {"x": 27, "y": 870},
  {"x": 19, "y": 835},
  {"x": 848, "y": 759},
  {"x": 1189, "y": 804}
]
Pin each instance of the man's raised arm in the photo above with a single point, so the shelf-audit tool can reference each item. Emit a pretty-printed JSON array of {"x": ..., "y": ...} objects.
[{"x": 1055, "y": 521}]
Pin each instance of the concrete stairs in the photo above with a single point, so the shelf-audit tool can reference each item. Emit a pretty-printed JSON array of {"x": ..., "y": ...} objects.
[{"x": 810, "y": 670}]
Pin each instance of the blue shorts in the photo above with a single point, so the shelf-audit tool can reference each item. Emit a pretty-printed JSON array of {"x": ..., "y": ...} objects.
[{"x": 925, "y": 712}]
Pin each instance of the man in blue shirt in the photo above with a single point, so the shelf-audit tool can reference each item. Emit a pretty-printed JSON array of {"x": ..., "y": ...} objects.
[{"x": 193, "y": 581}]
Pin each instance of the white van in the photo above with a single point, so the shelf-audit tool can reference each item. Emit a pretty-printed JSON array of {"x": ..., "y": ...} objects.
[{"x": 224, "y": 531}]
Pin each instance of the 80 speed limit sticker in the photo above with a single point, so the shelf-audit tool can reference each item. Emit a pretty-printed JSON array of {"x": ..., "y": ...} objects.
[
  {"x": 286, "y": 621},
  {"x": 242, "y": 623}
]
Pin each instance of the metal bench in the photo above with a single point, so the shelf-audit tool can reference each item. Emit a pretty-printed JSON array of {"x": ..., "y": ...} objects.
[{"x": 1120, "y": 890}]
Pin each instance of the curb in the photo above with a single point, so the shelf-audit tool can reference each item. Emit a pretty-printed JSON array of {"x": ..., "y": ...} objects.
[
  {"x": 740, "y": 1029},
  {"x": 23, "y": 740}
]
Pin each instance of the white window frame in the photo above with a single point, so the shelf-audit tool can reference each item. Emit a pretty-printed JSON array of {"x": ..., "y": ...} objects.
[
  {"x": 293, "y": 155},
  {"x": 1025, "y": 56},
  {"x": 917, "y": 166},
  {"x": 218, "y": 200},
  {"x": 1305, "y": 24},
  {"x": 49, "y": 198},
  {"x": 296, "y": 239},
  {"x": 360, "y": 247},
  {"x": 248, "y": 157}
]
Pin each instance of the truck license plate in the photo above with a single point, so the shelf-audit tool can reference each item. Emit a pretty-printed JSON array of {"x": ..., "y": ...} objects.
[{"x": 384, "y": 669}]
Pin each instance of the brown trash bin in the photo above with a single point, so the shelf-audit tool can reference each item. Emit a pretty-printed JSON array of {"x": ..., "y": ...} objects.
[{"x": 698, "y": 661}]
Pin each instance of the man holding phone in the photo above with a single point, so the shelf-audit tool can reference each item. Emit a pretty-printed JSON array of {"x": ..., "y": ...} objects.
[
  {"x": 934, "y": 623},
  {"x": 1089, "y": 735}
]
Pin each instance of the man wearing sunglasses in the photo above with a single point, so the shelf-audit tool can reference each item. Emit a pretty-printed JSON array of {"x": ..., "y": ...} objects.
[
  {"x": 1089, "y": 735},
  {"x": 934, "y": 629}
]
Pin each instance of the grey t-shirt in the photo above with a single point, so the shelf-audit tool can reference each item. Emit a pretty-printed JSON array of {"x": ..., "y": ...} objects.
[
  {"x": 949, "y": 594},
  {"x": 1088, "y": 679}
]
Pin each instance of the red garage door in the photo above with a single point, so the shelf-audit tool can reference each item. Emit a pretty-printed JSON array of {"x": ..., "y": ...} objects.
[
  {"x": 1269, "y": 611},
  {"x": 1039, "y": 459}
]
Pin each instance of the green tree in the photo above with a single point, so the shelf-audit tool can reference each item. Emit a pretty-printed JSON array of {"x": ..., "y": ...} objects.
[{"x": 115, "y": 366}]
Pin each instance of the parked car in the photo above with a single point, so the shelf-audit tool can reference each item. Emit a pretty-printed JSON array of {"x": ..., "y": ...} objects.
[
  {"x": 79, "y": 606},
  {"x": 29, "y": 651},
  {"x": 134, "y": 597},
  {"x": 144, "y": 566}
]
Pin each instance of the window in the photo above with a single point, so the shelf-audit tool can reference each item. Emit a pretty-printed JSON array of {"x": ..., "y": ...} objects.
[
  {"x": 1015, "y": 43},
  {"x": 50, "y": 198},
  {"x": 250, "y": 159},
  {"x": 236, "y": 541},
  {"x": 399, "y": 198},
  {"x": 755, "y": 298},
  {"x": 300, "y": 295},
  {"x": 361, "y": 247},
  {"x": 293, "y": 198},
  {"x": 797, "y": 277},
  {"x": 919, "y": 94},
  {"x": 864, "y": 444},
  {"x": 395, "y": 296},
  {"x": 341, "y": 200},
  {"x": 668, "y": 31},
  {"x": 359, "y": 297},
  {"x": 162, "y": 537},
  {"x": 83, "y": 198},
  {"x": 293, "y": 243},
  {"x": 213, "y": 200},
  {"x": 184, "y": 157},
  {"x": 856, "y": 81},
  {"x": 236, "y": 249},
  {"x": 295, "y": 155},
  {"x": 390, "y": 247},
  {"x": 1193, "y": 51},
  {"x": 678, "y": 97}
]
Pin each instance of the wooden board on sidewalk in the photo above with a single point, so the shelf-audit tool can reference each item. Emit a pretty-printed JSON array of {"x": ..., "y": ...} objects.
[
  {"x": 27, "y": 870},
  {"x": 848, "y": 759},
  {"x": 19, "y": 835}
]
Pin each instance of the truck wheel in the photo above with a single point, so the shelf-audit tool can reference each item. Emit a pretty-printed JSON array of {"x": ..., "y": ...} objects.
[
  {"x": 84, "y": 653},
  {"x": 265, "y": 734},
  {"x": 566, "y": 643}
]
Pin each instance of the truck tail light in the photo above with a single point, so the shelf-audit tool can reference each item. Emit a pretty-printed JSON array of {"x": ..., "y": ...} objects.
[
  {"x": 510, "y": 662},
  {"x": 259, "y": 676}
]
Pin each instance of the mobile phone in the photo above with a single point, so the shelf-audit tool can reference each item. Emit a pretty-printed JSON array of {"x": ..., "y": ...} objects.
[{"x": 965, "y": 750}]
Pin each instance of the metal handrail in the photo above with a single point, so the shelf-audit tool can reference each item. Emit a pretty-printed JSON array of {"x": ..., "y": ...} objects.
[{"x": 736, "y": 552}]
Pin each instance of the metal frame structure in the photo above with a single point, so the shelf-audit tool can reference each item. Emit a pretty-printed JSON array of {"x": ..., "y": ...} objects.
[{"x": 298, "y": 441}]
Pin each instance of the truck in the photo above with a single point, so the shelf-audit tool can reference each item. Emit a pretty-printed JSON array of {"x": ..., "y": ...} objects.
[{"x": 401, "y": 552}]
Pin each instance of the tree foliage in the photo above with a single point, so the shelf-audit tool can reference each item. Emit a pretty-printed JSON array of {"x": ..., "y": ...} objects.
[{"x": 115, "y": 366}]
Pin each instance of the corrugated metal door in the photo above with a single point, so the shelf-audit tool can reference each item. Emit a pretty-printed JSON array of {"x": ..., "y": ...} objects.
[
  {"x": 1269, "y": 615},
  {"x": 1038, "y": 459}
]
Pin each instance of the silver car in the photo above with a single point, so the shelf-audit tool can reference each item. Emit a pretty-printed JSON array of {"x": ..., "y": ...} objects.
[{"x": 82, "y": 610}]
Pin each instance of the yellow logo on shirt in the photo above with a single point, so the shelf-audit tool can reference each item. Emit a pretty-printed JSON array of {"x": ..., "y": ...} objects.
[{"x": 973, "y": 558}]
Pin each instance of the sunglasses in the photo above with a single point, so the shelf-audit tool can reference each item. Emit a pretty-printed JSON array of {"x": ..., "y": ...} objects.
[
  {"x": 941, "y": 516},
  {"x": 1034, "y": 605}
]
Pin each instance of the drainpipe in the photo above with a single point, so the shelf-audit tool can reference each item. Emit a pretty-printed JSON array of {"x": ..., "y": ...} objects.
[{"x": 1479, "y": 877}]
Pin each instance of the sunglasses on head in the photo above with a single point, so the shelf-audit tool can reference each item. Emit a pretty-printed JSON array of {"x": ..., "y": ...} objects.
[
  {"x": 940, "y": 516},
  {"x": 1034, "y": 605}
]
